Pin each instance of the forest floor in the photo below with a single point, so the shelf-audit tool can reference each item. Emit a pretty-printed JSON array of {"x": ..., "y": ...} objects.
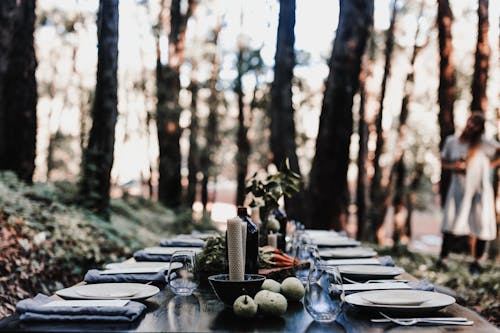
[{"x": 48, "y": 242}]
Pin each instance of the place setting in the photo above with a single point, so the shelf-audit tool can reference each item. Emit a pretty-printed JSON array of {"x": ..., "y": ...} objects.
[
  {"x": 109, "y": 291},
  {"x": 83, "y": 309},
  {"x": 159, "y": 253},
  {"x": 183, "y": 241},
  {"x": 363, "y": 273},
  {"x": 400, "y": 307},
  {"x": 335, "y": 242},
  {"x": 347, "y": 253}
]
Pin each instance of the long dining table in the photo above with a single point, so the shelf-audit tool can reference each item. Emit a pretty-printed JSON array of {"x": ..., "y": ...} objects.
[{"x": 203, "y": 312}]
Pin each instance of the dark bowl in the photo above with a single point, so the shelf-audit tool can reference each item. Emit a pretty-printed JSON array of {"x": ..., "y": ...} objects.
[{"x": 228, "y": 291}]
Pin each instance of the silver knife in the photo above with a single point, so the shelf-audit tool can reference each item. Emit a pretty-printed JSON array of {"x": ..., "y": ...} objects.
[{"x": 458, "y": 319}]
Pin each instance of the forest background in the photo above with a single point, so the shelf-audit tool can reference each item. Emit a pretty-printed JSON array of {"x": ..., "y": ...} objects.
[{"x": 204, "y": 94}]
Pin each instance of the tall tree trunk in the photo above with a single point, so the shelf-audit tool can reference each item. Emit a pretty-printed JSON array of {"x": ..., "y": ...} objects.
[
  {"x": 193, "y": 158},
  {"x": 242, "y": 138},
  {"x": 19, "y": 95},
  {"x": 447, "y": 89},
  {"x": 378, "y": 193},
  {"x": 168, "y": 110},
  {"x": 480, "y": 78},
  {"x": 328, "y": 183},
  {"x": 9, "y": 9},
  {"x": 399, "y": 189},
  {"x": 362, "y": 154},
  {"x": 98, "y": 158},
  {"x": 282, "y": 122},
  {"x": 211, "y": 130}
]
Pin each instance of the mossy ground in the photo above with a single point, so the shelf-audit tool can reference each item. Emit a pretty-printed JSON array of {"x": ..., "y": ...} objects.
[{"x": 47, "y": 241}]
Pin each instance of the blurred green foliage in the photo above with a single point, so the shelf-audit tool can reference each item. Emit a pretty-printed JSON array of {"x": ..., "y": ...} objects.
[
  {"x": 268, "y": 191},
  {"x": 48, "y": 242}
]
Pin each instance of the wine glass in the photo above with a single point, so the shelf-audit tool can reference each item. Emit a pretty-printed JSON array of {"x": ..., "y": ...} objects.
[
  {"x": 182, "y": 275},
  {"x": 324, "y": 293}
]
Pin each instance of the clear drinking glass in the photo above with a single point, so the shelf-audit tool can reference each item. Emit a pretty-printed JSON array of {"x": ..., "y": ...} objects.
[
  {"x": 306, "y": 252},
  {"x": 324, "y": 293},
  {"x": 182, "y": 276}
]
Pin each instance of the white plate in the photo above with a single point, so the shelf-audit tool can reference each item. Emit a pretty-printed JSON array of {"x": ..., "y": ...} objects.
[
  {"x": 169, "y": 250},
  {"x": 436, "y": 301},
  {"x": 403, "y": 297},
  {"x": 135, "y": 291},
  {"x": 184, "y": 241},
  {"x": 113, "y": 294},
  {"x": 126, "y": 264},
  {"x": 367, "y": 272},
  {"x": 348, "y": 252},
  {"x": 199, "y": 235},
  {"x": 321, "y": 233},
  {"x": 343, "y": 262},
  {"x": 335, "y": 242},
  {"x": 375, "y": 286},
  {"x": 131, "y": 269}
]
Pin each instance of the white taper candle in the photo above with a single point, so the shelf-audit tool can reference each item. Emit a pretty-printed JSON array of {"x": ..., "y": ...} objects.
[
  {"x": 234, "y": 249},
  {"x": 272, "y": 240},
  {"x": 244, "y": 243}
]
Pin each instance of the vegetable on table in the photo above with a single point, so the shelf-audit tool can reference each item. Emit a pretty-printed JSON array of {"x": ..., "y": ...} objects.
[{"x": 271, "y": 257}]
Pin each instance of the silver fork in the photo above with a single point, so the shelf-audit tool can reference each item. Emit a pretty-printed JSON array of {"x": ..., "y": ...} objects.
[
  {"x": 375, "y": 281},
  {"x": 413, "y": 321}
]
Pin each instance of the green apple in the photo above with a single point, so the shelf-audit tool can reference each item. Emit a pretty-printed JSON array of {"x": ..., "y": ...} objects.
[
  {"x": 244, "y": 306},
  {"x": 271, "y": 285},
  {"x": 293, "y": 289},
  {"x": 271, "y": 303}
]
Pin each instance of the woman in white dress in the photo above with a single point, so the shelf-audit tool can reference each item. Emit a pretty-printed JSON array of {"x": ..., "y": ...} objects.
[{"x": 469, "y": 207}]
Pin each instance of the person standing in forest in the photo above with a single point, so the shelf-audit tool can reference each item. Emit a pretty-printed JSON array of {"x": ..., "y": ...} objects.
[{"x": 469, "y": 207}]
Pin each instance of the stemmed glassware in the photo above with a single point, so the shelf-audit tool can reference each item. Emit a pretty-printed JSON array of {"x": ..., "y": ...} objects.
[
  {"x": 324, "y": 293},
  {"x": 182, "y": 275}
]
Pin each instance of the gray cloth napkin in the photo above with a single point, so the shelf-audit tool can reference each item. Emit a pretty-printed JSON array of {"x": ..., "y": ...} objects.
[
  {"x": 142, "y": 255},
  {"x": 182, "y": 242},
  {"x": 94, "y": 276},
  {"x": 32, "y": 309},
  {"x": 386, "y": 261},
  {"x": 424, "y": 285}
]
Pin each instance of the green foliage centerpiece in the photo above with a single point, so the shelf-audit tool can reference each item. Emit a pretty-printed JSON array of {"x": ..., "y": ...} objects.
[{"x": 267, "y": 189}]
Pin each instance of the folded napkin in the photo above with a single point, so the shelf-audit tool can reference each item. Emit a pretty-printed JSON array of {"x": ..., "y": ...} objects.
[
  {"x": 424, "y": 285},
  {"x": 142, "y": 255},
  {"x": 34, "y": 309},
  {"x": 386, "y": 261},
  {"x": 182, "y": 242},
  {"x": 95, "y": 276}
]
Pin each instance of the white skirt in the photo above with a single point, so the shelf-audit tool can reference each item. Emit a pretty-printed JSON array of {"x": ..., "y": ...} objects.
[{"x": 469, "y": 208}]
